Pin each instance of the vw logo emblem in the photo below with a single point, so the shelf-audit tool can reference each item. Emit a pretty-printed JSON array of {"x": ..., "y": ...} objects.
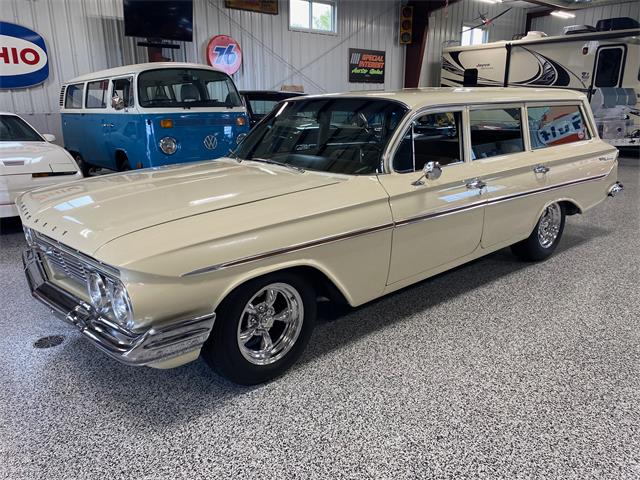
[{"x": 210, "y": 142}]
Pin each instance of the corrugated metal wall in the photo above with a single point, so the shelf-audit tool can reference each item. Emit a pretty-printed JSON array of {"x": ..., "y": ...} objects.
[
  {"x": 589, "y": 16},
  {"x": 445, "y": 25},
  {"x": 88, "y": 35}
]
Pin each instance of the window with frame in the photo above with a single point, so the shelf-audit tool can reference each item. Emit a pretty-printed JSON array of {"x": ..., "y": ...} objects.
[
  {"x": 97, "y": 94},
  {"x": 608, "y": 68},
  {"x": 473, "y": 36},
  {"x": 73, "y": 96},
  {"x": 556, "y": 125},
  {"x": 122, "y": 88},
  {"x": 312, "y": 15},
  {"x": 495, "y": 132},
  {"x": 434, "y": 137}
]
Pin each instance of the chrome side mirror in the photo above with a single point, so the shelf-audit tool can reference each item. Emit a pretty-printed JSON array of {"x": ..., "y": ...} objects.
[
  {"x": 431, "y": 171},
  {"x": 117, "y": 102}
]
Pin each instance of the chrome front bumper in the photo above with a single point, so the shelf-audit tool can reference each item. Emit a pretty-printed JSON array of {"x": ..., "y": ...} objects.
[{"x": 132, "y": 348}]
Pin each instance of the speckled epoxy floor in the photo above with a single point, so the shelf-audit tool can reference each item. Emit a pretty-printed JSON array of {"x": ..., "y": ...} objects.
[{"x": 498, "y": 369}]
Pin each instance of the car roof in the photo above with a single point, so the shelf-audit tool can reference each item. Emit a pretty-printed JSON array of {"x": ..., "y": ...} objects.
[
  {"x": 137, "y": 68},
  {"x": 9, "y": 113},
  {"x": 415, "y": 98}
]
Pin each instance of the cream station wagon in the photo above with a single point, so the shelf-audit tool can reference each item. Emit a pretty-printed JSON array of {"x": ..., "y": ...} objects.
[{"x": 347, "y": 197}]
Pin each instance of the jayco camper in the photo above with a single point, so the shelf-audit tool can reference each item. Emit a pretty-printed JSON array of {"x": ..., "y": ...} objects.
[{"x": 603, "y": 62}]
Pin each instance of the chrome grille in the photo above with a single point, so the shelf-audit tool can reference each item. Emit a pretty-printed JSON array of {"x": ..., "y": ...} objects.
[{"x": 63, "y": 263}]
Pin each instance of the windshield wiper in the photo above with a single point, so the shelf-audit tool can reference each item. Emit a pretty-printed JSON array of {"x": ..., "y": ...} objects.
[{"x": 275, "y": 162}]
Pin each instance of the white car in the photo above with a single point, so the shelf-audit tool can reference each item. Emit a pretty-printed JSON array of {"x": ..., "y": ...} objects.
[{"x": 28, "y": 160}]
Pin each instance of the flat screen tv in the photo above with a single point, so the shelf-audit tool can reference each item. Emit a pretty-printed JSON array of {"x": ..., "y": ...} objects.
[{"x": 159, "y": 19}]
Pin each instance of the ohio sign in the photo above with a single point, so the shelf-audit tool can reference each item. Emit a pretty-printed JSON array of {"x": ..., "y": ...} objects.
[
  {"x": 224, "y": 53},
  {"x": 23, "y": 57}
]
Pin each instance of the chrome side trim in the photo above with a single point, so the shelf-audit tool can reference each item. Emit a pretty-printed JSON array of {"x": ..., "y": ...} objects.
[
  {"x": 401, "y": 223},
  {"x": 292, "y": 248}
]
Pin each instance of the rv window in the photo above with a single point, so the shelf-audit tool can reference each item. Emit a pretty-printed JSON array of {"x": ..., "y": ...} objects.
[
  {"x": 495, "y": 132},
  {"x": 122, "y": 88},
  {"x": 550, "y": 126},
  {"x": 608, "y": 69},
  {"x": 73, "y": 98},
  {"x": 97, "y": 94},
  {"x": 437, "y": 137}
]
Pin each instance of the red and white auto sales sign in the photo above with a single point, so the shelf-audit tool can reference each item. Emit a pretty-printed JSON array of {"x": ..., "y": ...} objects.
[
  {"x": 224, "y": 53},
  {"x": 23, "y": 57}
]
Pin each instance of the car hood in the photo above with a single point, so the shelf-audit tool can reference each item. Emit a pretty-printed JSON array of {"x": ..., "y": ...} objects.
[
  {"x": 87, "y": 214},
  {"x": 18, "y": 158}
]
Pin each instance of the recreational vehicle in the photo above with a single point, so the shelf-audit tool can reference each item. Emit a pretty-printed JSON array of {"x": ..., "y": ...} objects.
[{"x": 602, "y": 61}]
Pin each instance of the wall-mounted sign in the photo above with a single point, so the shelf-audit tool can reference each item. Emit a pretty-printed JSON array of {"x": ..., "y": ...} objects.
[
  {"x": 262, "y": 6},
  {"x": 366, "y": 66},
  {"x": 23, "y": 57},
  {"x": 224, "y": 53}
]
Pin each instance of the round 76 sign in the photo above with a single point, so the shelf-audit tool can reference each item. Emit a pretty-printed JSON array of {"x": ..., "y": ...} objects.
[{"x": 224, "y": 53}]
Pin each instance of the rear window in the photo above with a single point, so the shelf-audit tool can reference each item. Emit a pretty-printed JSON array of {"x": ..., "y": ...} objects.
[
  {"x": 556, "y": 125},
  {"x": 495, "y": 132},
  {"x": 73, "y": 98},
  {"x": 186, "y": 88},
  {"x": 97, "y": 94}
]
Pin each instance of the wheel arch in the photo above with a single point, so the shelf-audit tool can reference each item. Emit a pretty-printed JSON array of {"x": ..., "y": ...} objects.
[
  {"x": 121, "y": 156},
  {"x": 325, "y": 283}
]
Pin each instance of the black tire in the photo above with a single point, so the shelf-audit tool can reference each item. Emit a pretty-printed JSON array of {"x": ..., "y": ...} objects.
[
  {"x": 532, "y": 249},
  {"x": 222, "y": 350},
  {"x": 123, "y": 163},
  {"x": 83, "y": 166}
]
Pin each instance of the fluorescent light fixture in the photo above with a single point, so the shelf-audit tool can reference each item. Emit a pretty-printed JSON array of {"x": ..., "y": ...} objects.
[
  {"x": 491, "y": 1},
  {"x": 562, "y": 14}
]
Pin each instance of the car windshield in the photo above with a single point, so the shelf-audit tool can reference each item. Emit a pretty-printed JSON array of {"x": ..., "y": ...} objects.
[
  {"x": 186, "y": 88},
  {"x": 339, "y": 135},
  {"x": 14, "y": 129}
]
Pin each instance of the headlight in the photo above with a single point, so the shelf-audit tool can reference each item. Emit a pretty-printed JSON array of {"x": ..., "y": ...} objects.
[
  {"x": 28, "y": 235},
  {"x": 168, "y": 145},
  {"x": 97, "y": 288},
  {"x": 121, "y": 305}
]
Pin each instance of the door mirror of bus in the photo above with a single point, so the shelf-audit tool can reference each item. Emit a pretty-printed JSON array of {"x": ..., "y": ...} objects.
[{"x": 117, "y": 102}]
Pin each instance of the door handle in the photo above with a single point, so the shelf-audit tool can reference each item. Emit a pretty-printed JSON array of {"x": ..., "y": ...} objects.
[
  {"x": 108, "y": 125},
  {"x": 476, "y": 183},
  {"x": 541, "y": 169}
]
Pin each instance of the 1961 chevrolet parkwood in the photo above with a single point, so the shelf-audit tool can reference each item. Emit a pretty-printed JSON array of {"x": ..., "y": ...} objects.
[{"x": 346, "y": 197}]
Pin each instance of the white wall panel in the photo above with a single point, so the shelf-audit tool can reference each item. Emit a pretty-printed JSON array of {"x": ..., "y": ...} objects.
[
  {"x": 445, "y": 25},
  {"x": 88, "y": 35},
  {"x": 589, "y": 16}
]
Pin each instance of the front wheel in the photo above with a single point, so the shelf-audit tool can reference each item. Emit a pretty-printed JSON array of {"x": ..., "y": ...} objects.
[
  {"x": 545, "y": 237},
  {"x": 261, "y": 328},
  {"x": 83, "y": 166}
]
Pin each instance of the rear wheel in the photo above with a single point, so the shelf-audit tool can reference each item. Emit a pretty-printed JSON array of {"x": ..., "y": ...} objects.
[
  {"x": 261, "y": 328},
  {"x": 545, "y": 237}
]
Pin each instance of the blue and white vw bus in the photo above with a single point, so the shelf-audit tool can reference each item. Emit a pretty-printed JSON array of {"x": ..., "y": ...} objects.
[{"x": 151, "y": 114}]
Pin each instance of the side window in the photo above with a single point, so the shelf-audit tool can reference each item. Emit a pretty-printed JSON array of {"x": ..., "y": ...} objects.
[
  {"x": 97, "y": 94},
  {"x": 495, "y": 132},
  {"x": 73, "y": 98},
  {"x": 262, "y": 107},
  {"x": 122, "y": 88},
  {"x": 608, "y": 68},
  {"x": 556, "y": 125},
  {"x": 434, "y": 137}
]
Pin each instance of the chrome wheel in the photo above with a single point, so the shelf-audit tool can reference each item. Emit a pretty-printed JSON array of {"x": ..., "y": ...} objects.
[
  {"x": 549, "y": 225},
  {"x": 270, "y": 323}
]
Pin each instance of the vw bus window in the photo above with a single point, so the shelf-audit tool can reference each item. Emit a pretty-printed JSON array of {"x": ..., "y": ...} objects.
[
  {"x": 122, "y": 89},
  {"x": 73, "y": 97},
  {"x": 186, "y": 88},
  {"x": 97, "y": 94},
  {"x": 556, "y": 125}
]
